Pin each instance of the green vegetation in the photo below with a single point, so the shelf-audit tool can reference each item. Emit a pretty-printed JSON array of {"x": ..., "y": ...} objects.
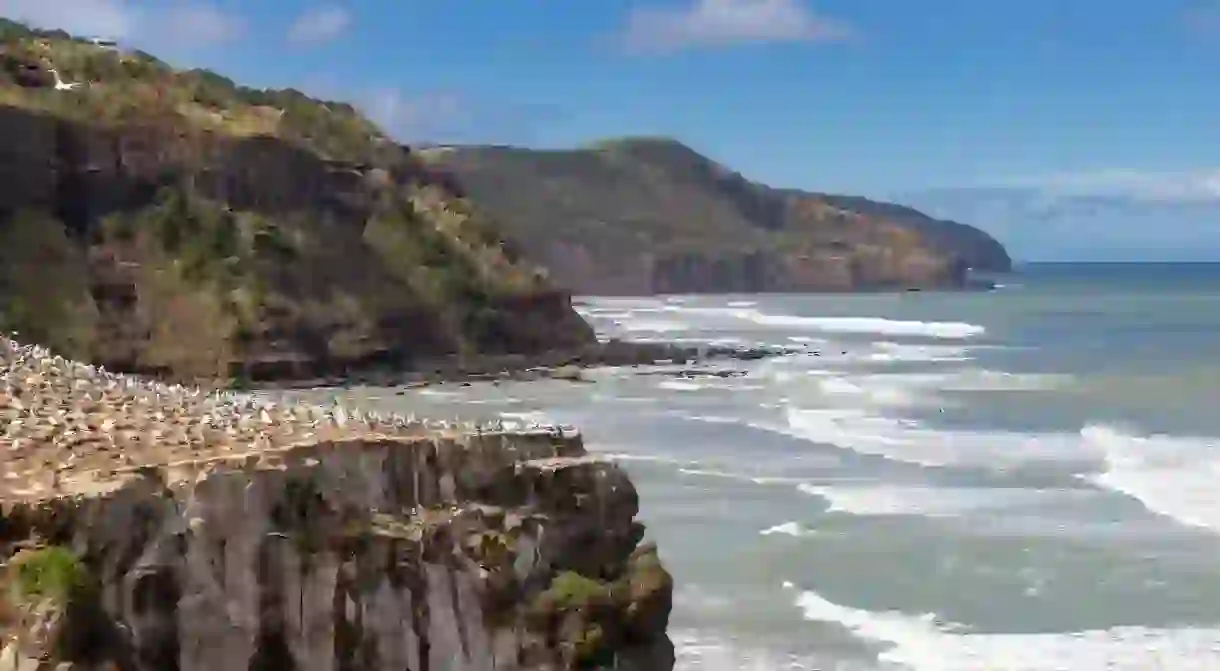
[
  {"x": 48, "y": 573},
  {"x": 580, "y": 608},
  {"x": 571, "y": 591},
  {"x": 135, "y": 88},
  {"x": 591, "y": 617}
]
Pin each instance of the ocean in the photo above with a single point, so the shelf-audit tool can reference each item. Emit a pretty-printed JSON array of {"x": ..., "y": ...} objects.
[{"x": 1024, "y": 479}]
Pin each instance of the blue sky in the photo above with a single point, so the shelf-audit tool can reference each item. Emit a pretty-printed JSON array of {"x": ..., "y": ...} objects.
[{"x": 861, "y": 96}]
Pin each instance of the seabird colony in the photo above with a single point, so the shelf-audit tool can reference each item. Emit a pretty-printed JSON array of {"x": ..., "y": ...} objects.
[{"x": 60, "y": 417}]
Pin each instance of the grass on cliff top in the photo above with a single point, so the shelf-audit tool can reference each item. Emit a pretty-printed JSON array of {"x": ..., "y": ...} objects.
[{"x": 132, "y": 87}]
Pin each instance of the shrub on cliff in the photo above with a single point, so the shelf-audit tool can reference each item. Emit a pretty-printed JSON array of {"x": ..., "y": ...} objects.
[
  {"x": 48, "y": 573},
  {"x": 50, "y": 609},
  {"x": 592, "y": 619}
]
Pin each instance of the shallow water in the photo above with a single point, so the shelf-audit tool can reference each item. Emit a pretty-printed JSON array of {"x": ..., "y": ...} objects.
[{"x": 1023, "y": 479}]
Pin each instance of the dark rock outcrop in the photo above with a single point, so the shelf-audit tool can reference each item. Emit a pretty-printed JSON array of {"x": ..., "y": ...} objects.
[
  {"x": 642, "y": 216},
  {"x": 479, "y": 553}
]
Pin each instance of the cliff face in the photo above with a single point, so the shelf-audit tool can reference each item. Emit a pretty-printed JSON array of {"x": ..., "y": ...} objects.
[
  {"x": 175, "y": 223},
  {"x": 651, "y": 215},
  {"x": 325, "y": 540},
  {"x": 466, "y": 553},
  {"x": 973, "y": 246}
]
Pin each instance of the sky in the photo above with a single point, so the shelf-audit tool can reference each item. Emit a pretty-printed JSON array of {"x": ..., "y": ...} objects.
[{"x": 860, "y": 96}]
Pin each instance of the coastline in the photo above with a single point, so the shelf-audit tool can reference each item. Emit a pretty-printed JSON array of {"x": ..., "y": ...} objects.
[
  {"x": 271, "y": 375},
  {"x": 563, "y": 365}
]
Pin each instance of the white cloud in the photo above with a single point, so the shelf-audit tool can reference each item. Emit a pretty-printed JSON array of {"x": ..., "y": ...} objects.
[
  {"x": 415, "y": 117},
  {"x": 709, "y": 23},
  {"x": 451, "y": 117},
  {"x": 181, "y": 24},
  {"x": 1203, "y": 17},
  {"x": 320, "y": 24},
  {"x": 199, "y": 25},
  {"x": 1163, "y": 186},
  {"x": 110, "y": 18}
]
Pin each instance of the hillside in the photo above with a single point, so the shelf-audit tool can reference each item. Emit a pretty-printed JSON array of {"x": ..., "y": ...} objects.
[
  {"x": 647, "y": 215},
  {"x": 177, "y": 223}
]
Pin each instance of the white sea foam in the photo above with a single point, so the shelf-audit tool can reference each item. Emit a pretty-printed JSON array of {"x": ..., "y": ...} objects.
[
  {"x": 702, "y": 651},
  {"x": 712, "y": 317},
  {"x": 647, "y": 458},
  {"x": 437, "y": 393},
  {"x": 929, "y": 501},
  {"x": 979, "y": 379},
  {"x": 892, "y": 352},
  {"x": 866, "y": 325},
  {"x": 921, "y": 643},
  {"x": 653, "y": 325},
  {"x": 909, "y": 441},
  {"x": 608, "y": 313},
  {"x": 794, "y": 529},
  {"x": 711, "y": 419},
  {"x": 681, "y": 385},
  {"x": 856, "y": 388},
  {"x": 1178, "y": 477},
  {"x": 621, "y": 302},
  {"x": 740, "y": 477},
  {"x": 882, "y": 390}
]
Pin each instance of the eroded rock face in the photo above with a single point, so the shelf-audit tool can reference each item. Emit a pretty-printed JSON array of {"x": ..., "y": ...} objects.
[
  {"x": 379, "y": 553},
  {"x": 153, "y": 527}
]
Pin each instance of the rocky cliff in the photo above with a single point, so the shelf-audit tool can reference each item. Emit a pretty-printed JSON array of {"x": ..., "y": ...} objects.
[
  {"x": 649, "y": 215},
  {"x": 177, "y": 223},
  {"x": 153, "y": 528}
]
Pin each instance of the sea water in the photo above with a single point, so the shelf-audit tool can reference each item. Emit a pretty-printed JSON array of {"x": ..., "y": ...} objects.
[{"x": 1021, "y": 479}]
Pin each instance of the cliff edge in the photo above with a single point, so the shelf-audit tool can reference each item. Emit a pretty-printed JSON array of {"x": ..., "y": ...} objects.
[
  {"x": 146, "y": 527},
  {"x": 176, "y": 223},
  {"x": 651, "y": 215}
]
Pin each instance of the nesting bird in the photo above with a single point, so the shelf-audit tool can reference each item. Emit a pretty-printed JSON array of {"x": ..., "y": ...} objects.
[
  {"x": 60, "y": 84},
  {"x": 75, "y": 420}
]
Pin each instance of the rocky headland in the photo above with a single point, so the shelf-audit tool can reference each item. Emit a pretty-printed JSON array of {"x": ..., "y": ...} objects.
[
  {"x": 150, "y": 527},
  {"x": 177, "y": 224},
  {"x": 638, "y": 216}
]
